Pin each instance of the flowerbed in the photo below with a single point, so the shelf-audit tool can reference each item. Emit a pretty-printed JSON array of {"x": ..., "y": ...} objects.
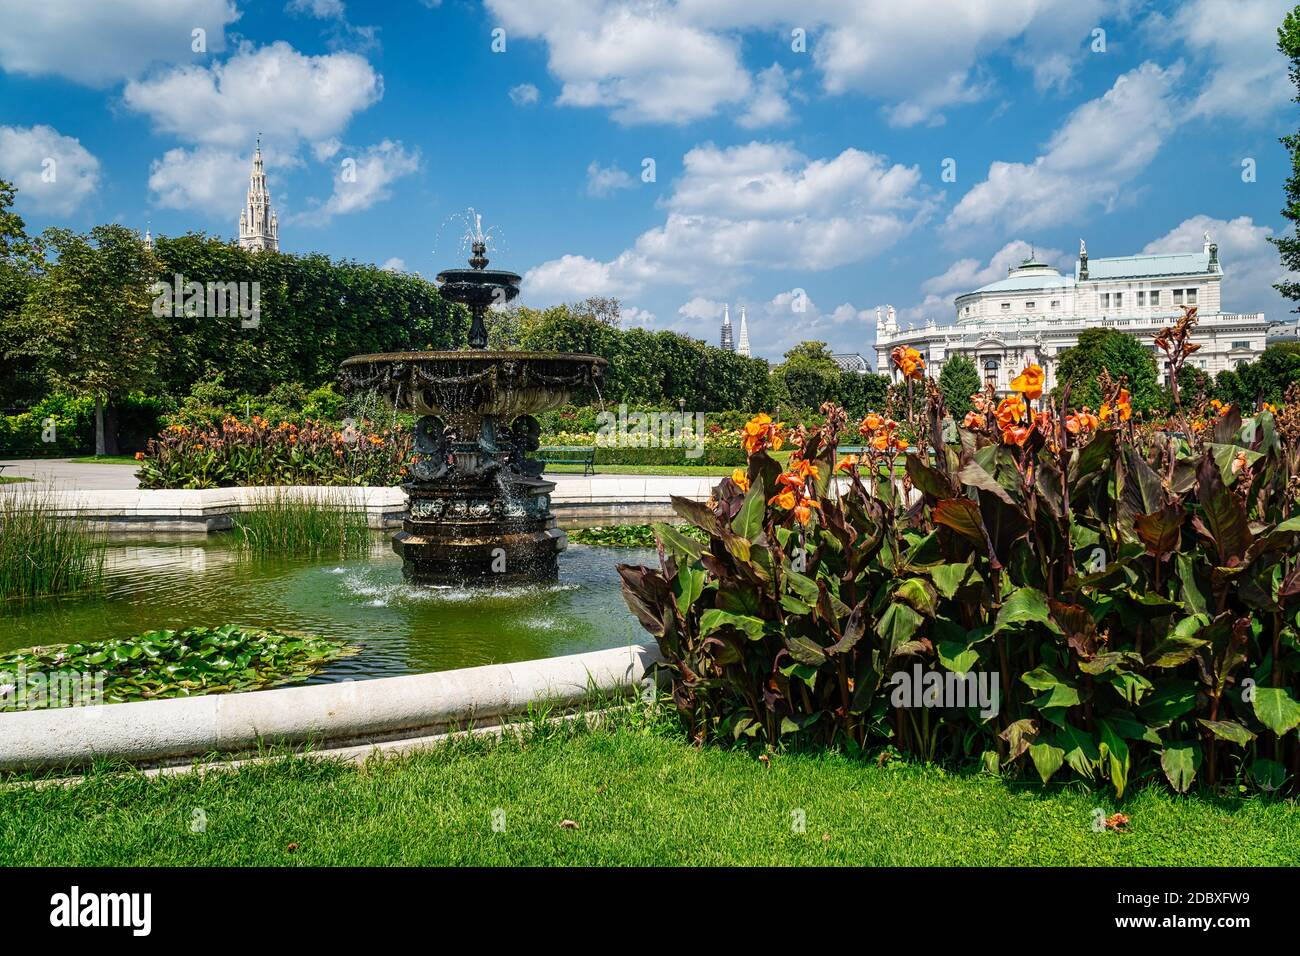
[
  {"x": 1133, "y": 594},
  {"x": 258, "y": 453}
]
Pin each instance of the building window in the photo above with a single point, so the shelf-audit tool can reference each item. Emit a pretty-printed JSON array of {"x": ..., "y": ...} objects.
[
  {"x": 1155, "y": 296},
  {"x": 1056, "y": 303},
  {"x": 1105, "y": 300},
  {"x": 1178, "y": 297},
  {"x": 1191, "y": 296},
  {"x": 1119, "y": 299},
  {"x": 991, "y": 372},
  {"x": 1141, "y": 299},
  {"x": 1241, "y": 345},
  {"x": 1006, "y": 306},
  {"x": 1029, "y": 305}
]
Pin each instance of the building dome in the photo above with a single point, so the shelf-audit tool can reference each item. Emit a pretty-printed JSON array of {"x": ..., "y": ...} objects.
[{"x": 1030, "y": 274}]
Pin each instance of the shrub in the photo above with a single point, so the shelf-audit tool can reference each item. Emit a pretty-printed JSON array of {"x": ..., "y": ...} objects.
[
  {"x": 1136, "y": 595},
  {"x": 258, "y": 453}
]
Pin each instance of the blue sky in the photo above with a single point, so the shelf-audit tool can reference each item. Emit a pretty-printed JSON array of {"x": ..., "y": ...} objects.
[{"x": 779, "y": 165}]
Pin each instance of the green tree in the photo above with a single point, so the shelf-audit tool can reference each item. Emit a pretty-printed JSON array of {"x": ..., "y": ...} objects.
[
  {"x": 1118, "y": 354},
  {"x": 89, "y": 318},
  {"x": 959, "y": 380},
  {"x": 1288, "y": 246},
  {"x": 809, "y": 375},
  {"x": 19, "y": 264}
]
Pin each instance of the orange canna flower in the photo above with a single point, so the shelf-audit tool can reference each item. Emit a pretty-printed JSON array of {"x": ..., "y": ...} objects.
[
  {"x": 741, "y": 479},
  {"x": 784, "y": 499},
  {"x": 1011, "y": 409},
  {"x": 1030, "y": 381},
  {"x": 803, "y": 511},
  {"x": 871, "y": 422},
  {"x": 908, "y": 361},
  {"x": 880, "y": 442},
  {"x": 1198, "y": 426},
  {"x": 900, "y": 444},
  {"x": 1016, "y": 434},
  {"x": 847, "y": 462},
  {"x": 973, "y": 420}
]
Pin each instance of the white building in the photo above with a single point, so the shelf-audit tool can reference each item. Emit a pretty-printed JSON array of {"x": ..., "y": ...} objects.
[
  {"x": 258, "y": 226},
  {"x": 1035, "y": 313}
]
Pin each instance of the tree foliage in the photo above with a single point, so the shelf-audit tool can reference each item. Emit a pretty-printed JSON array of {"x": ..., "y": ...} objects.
[
  {"x": 958, "y": 381},
  {"x": 1120, "y": 355}
]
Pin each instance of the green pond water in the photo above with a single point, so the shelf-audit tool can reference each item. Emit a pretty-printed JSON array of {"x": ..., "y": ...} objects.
[{"x": 403, "y": 629}]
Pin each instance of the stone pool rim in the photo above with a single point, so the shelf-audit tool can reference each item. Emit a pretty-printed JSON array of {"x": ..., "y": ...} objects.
[{"x": 343, "y": 714}]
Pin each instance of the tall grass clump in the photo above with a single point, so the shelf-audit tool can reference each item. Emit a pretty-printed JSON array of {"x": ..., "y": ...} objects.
[
  {"x": 312, "y": 525},
  {"x": 42, "y": 552}
]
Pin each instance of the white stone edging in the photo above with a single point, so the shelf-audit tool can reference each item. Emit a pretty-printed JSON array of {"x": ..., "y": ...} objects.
[{"x": 348, "y": 712}]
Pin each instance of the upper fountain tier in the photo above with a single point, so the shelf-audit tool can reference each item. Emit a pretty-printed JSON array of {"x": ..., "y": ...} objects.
[{"x": 478, "y": 287}]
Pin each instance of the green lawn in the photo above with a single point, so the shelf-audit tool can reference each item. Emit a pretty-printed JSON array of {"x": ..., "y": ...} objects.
[
  {"x": 12, "y": 480},
  {"x": 613, "y": 470},
  {"x": 105, "y": 460},
  {"x": 638, "y": 794}
]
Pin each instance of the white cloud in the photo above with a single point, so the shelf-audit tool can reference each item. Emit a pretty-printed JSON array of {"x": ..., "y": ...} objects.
[
  {"x": 701, "y": 308},
  {"x": 1250, "y": 262},
  {"x": 525, "y": 94},
  {"x": 53, "y": 173},
  {"x": 275, "y": 89},
  {"x": 207, "y": 179},
  {"x": 755, "y": 206},
  {"x": 1245, "y": 76},
  {"x": 364, "y": 179},
  {"x": 1091, "y": 160},
  {"x": 101, "y": 43},
  {"x": 326, "y": 148},
  {"x": 643, "y": 62},
  {"x": 322, "y": 9},
  {"x": 769, "y": 106},
  {"x": 395, "y": 264},
  {"x": 967, "y": 275},
  {"x": 604, "y": 181},
  {"x": 680, "y": 61}
]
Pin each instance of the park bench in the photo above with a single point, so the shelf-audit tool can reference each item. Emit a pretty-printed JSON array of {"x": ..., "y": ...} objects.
[{"x": 569, "y": 455}]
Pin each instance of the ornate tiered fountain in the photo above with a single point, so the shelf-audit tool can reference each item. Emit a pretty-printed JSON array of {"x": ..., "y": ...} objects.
[{"x": 480, "y": 510}]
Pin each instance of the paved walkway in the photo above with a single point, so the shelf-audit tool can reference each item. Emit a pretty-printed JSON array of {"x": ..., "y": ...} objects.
[{"x": 64, "y": 473}]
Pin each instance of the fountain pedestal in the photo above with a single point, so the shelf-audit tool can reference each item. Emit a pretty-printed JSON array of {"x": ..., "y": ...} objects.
[{"x": 501, "y": 531}]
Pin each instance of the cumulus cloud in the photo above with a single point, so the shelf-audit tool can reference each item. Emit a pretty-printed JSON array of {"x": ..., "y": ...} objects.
[
  {"x": 769, "y": 106},
  {"x": 1250, "y": 262},
  {"x": 701, "y": 308},
  {"x": 676, "y": 62},
  {"x": 1102, "y": 146},
  {"x": 757, "y": 205},
  {"x": 645, "y": 63},
  {"x": 1235, "y": 45},
  {"x": 53, "y": 173},
  {"x": 525, "y": 94},
  {"x": 395, "y": 264},
  {"x": 604, "y": 181},
  {"x": 967, "y": 275},
  {"x": 286, "y": 94},
  {"x": 363, "y": 179},
  {"x": 205, "y": 178},
  {"x": 321, "y": 9},
  {"x": 101, "y": 43}
]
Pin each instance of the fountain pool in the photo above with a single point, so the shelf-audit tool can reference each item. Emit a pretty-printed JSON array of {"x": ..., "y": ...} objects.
[{"x": 403, "y": 628}]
